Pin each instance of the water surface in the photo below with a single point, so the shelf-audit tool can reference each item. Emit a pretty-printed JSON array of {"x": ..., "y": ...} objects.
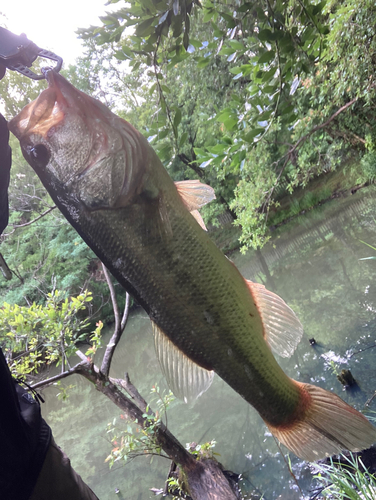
[{"x": 314, "y": 264}]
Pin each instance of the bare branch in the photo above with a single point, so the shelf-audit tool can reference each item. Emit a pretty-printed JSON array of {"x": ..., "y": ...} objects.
[
  {"x": 119, "y": 324},
  {"x": 322, "y": 125},
  {"x": 113, "y": 295},
  {"x": 124, "y": 319},
  {"x": 51, "y": 380},
  {"x": 7, "y": 273},
  {"x": 37, "y": 218},
  {"x": 127, "y": 385},
  {"x": 203, "y": 477},
  {"x": 81, "y": 355},
  {"x": 16, "y": 226}
]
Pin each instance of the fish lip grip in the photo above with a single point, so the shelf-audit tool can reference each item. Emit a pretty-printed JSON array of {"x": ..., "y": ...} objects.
[{"x": 18, "y": 53}]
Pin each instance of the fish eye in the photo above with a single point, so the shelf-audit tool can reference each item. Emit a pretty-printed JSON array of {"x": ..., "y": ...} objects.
[{"x": 40, "y": 155}]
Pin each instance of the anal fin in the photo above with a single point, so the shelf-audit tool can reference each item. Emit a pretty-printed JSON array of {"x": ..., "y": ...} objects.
[{"x": 185, "y": 378}]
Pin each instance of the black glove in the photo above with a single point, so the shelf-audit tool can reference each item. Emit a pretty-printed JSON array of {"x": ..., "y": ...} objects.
[{"x": 5, "y": 163}]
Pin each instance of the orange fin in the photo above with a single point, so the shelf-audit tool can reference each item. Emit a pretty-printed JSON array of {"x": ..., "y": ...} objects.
[
  {"x": 282, "y": 329},
  {"x": 185, "y": 378},
  {"x": 195, "y": 194},
  {"x": 326, "y": 426},
  {"x": 199, "y": 219}
]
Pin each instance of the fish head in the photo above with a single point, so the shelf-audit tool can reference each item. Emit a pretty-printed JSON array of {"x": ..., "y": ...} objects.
[{"x": 75, "y": 143}]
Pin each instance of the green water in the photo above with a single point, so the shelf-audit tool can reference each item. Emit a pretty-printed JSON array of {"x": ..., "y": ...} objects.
[{"x": 313, "y": 263}]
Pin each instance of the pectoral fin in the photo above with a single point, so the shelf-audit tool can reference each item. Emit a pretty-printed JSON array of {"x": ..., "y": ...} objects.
[
  {"x": 282, "y": 329},
  {"x": 185, "y": 378}
]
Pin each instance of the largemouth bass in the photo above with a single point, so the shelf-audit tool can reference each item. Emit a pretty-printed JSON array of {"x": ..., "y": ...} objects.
[{"x": 109, "y": 183}]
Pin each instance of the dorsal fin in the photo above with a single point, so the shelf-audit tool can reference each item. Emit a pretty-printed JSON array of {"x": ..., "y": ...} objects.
[
  {"x": 282, "y": 329},
  {"x": 195, "y": 195},
  {"x": 185, "y": 378},
  {"x": 199, "y": 219}
]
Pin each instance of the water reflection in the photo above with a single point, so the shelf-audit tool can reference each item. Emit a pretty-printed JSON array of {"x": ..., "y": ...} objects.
[{"x": 313, "y": 263}]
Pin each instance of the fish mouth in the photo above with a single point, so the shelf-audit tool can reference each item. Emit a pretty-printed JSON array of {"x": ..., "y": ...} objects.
[
  {"x": 57, "y": 82},
  {"x": 42, "y": 115}
]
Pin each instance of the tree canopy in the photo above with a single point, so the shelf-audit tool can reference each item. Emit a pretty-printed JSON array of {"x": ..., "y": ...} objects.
[{"x": 245, "y": 94}]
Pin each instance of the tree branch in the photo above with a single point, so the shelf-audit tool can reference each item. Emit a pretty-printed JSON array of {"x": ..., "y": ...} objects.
[
  {"x": 119, "y": 324},
  {"x": 51, "y": 380},
  {"x": 37, "y": 218},
  {"x": 322, "y": 125},
  {"x": 7, "y": 273},
  {"x": 127, "y": 385},
  {"x": 293, "y": 148}
]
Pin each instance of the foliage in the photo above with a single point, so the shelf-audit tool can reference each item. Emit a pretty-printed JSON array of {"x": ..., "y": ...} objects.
[
  {"x": 348, "y": 479},
  {"x": 175, "y": 485},
  {"x": 40, "y": 334},
  {"x": 42, "y": 248},
  {"x": 63, "y": 394},
  {"x": 134, "y": 441},
  {"x": 236, "y": 86},
  {"x": 204, "y": 450}
]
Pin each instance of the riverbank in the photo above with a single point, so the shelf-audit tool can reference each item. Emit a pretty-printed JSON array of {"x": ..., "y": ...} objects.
[{"x": 340, "y": 183}]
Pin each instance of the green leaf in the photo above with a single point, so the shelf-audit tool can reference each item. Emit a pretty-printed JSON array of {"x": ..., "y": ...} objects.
[
  {"x": 203, "y": 62},
  {"x": 177, "y": 118},
  {"x": 265, "y": 35},
  {"x": 183, "y": 139},
  {"x": 265, "y": 115},
  {"x": 185, "y": 40},
  {"x": 165, "y": 89},
  {"x": 318, "y": 8},
  {"x": 266, "y": 57},
  {"x": 218, "y": 148},
  {"x": 230, "y": 21},
  {"x": 208, "y": 14},
  {"x": 196, "y": 44},
  {"x": 252, "y": 134},
  {"x": 145, "y": 28},
  {"x": 236, "y": 45},
  {"x": 245, "y": 7},
  {"x": 287, "y": 110},
  {"x": 236, "y": 70}
]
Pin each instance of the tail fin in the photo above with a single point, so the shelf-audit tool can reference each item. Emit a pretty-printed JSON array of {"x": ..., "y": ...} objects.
[{"x": 326, "y": 426}]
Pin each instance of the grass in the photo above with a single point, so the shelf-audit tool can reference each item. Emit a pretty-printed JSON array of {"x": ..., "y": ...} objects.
[{"x": 347, "y": 479}]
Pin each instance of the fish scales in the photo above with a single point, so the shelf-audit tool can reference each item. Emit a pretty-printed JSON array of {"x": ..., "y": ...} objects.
[
  {"x": 178, "y": 297},
  {"x": 111, "y": 186}
]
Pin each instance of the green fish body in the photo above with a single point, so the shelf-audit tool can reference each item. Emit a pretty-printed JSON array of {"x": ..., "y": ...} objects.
[{"x": 109, "y": 183}]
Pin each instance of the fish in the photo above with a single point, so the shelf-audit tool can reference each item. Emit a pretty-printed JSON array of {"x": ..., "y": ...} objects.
[{"x": 207, "y": 318}]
